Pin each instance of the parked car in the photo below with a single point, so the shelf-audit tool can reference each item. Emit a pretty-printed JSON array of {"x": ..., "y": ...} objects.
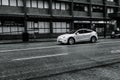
[
  {"x": 115, "y": 34},
  {"x": 78, "y": 36}
]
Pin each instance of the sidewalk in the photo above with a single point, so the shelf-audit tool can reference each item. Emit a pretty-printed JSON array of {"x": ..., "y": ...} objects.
[
  {"x": 36, "y": 40},
  {"x": 30, "y": 41}
]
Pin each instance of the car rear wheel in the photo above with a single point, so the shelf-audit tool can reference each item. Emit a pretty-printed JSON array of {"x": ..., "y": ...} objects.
[
  {"x": 71, "y": 41},
  {"x": 93, "y": 39}
]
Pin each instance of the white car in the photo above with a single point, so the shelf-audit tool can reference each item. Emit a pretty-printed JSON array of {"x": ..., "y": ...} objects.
[{"x": 78, "y": 36}]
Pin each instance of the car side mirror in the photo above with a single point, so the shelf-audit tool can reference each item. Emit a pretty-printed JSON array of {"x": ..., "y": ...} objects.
[{"x": 77, "y": 33}]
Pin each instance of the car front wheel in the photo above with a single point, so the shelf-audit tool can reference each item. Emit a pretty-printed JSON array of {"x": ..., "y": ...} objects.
[
  {"x": 71, "y": 41},
  {"x": 93, "y": 39}
]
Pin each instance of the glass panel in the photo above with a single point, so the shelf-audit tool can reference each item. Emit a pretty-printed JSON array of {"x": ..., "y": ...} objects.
[
  {"x": 34, "y": 3},
  {"x": 28, "y": 3},
  {"x": 53, "y": 5},
  {"x": 0, "y": 2},
  {"x": 57, "y": 5},
  {"x": 40, "y": 4},
  {"x": 63, "y": 25},
  {"x": 6, "y": 29},
  {"x": 58, "y": 25},
  {"x": 13, "y": 3},
  {"x": 62, "y": 6},
  {"x": 46, "y": 4},
  {"x": 29, "y": 25},
  {"x": 41, "y": 24},
  {"x": 41, "y": 30},
  {"x": 13, "y": 29},
  {"x": 20, "y": 3},
  {"x": 47, "y": 31},
  {"x": 54, "y": 25},
  {"x": 47, "y": 25},
  {"x": 5, "y": 2},
  {"x": 63, "y": 30},
  {"x": 0, "y": 29},
  {"x": 21, "y": 29}
]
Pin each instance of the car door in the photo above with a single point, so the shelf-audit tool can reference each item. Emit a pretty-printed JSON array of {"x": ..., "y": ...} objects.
[
  {"x": 79, "y": 35},
  {"x": 86, "y": 34}
]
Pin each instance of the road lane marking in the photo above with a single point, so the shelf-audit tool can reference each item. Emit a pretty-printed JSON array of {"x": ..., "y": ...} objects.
[
  {"x": 39, "y": 57},
  {"x": 14, "y": 50}
]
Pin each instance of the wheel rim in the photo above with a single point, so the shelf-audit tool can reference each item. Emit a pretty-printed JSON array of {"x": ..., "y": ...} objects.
[
  {"x": 93, "y": 39},
  {"x": 71, "y": 41}
]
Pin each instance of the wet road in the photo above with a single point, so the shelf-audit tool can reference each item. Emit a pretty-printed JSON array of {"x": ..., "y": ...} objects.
[
  {"x": 33, "y": 58},
  {"x": 108, "y": 72}
]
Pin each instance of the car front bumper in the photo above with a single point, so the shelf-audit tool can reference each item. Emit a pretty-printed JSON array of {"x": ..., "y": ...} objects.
[{"x": 61, "y": 40}]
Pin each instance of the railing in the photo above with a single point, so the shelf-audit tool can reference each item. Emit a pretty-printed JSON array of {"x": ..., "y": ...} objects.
[
  {"x": 80, "y": 14},
  {"x": 61, "y": 13},
  {"x": 97, "y": 1},
  {"x": 111, "y": 3},
  {"x": 37, "y": 11},
  {"x": 11, "y": 10},
  {"x": 97, "y": 15},
  {"x": 81, "y": 1}
]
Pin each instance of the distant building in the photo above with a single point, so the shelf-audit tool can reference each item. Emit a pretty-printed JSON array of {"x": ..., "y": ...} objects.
[{"x": 49, "y": 18}]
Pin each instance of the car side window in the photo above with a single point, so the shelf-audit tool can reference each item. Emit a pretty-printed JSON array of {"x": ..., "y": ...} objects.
[
  {"x": 87, "y": 31},
  {"x": 81, "y": 32}
]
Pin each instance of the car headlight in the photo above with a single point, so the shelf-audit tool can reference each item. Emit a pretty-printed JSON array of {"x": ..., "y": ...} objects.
[{"x": 64, "y": 37}]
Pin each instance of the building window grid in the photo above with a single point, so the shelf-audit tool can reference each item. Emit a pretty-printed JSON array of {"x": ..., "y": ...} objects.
[
  {"x": 39, "y": 27},
  {"x": 97, "y": 9},
  {"x": 11, "y": 28},
  {"x": 11, "y": 3},
  {"x": 80, "y": 7},
  {"x": 58, "y": 27},
  {"x": 59, "y": 6}
]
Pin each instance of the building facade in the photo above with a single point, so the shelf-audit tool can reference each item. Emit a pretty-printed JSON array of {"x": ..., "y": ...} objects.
[{"x": 49, "y": 18}]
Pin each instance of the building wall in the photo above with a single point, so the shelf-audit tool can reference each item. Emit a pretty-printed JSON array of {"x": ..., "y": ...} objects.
[{"x": 53, "y": 17}]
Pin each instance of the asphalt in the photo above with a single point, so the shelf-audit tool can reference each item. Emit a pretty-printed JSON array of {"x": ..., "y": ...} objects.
[{"x": 87, "y": 62}]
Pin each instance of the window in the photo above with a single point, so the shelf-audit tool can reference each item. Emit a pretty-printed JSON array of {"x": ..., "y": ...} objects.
[
  {"x": 20, "y": 2},
  {"x": 5, "y": 2},
  {"x": 40, "y": 4},
  {"x": 97, "y": 9},
  {"x": 80, "y": 7},
  {"x": 80, "y": 31},
  {"x": 110, "y": 0},
  {"x": 34, "y": 3},
  {"x": 57, "y": 5},
  {"x": 60, "y": 6},
  {"x": 110, "y": 10},
  {"x": 28, "y": 3},
  {"x": 46, "y": 5},
  {"x": 11, "y": 27},
  {"x": 0, "y": 2},
  {"x": 40, "y": 27},
  {"x": 61, "y": 27},
  {"x": 13, "y": 3}
]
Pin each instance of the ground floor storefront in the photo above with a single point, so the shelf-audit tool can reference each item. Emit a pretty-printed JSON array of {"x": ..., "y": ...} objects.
[{"x": 13, "y": 28}]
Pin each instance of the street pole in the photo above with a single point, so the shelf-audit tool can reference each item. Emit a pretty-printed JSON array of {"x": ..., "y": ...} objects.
[{"x": 25, "y": 35}]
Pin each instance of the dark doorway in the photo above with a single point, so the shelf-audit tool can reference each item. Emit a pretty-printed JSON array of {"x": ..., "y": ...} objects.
[{"x": 81, "y": 25}]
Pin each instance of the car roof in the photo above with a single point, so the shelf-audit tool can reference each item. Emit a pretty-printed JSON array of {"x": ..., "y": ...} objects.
[{"x": 85, "y": 29}]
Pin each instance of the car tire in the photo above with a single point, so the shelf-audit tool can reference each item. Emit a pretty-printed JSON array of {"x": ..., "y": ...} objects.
[
  {"x": 71, "y": 41},
  {"x": 93, "y": 39}
]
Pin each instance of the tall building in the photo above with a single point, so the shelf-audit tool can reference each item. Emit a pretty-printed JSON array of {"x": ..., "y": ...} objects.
[{"x": 49, "y": 18}]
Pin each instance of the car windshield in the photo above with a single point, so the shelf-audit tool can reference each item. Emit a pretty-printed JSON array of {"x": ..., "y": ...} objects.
[{"x": 71, "y": 32}]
